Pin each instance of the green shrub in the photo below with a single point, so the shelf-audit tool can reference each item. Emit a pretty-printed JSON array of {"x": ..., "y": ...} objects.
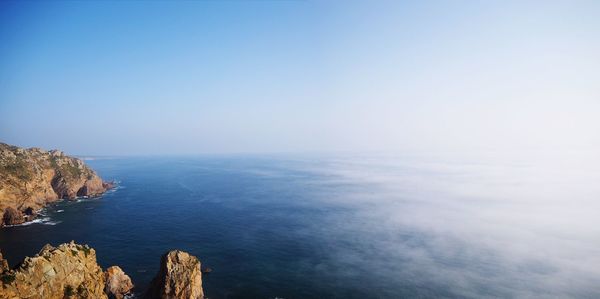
[
  {"x": 7, "y": 278},
  {"x": 86, "y": 250},
  {"x": 18, "y": 168},
  {"x": 68, "y": 291},
  {"x": 81, "y": 290}
]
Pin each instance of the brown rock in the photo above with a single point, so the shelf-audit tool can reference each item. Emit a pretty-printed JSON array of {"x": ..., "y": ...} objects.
[
  {"x": 179, "y": 277},
  {"x": 67, "y": 271},
  {"x": 118, "y": 284},
  {"x": 3, "y": 264},
  {"x": 33, "y": 177},
  {"x": 108, "y": 185},
  {"x": 12, "y": 217}
]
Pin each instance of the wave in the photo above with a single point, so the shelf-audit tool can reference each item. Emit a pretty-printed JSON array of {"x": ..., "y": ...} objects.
[
  {"x": 51, "y": 222},
  {"x": 43, "y": 220},
  {"x": 25, "y": 223}
]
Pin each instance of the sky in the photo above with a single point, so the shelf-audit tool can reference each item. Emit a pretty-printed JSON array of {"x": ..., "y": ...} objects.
[{"x": 194, "y": 77}]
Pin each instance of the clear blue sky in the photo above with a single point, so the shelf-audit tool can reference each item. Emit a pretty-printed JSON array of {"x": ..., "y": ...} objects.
[{"x": 185, "y": 77}]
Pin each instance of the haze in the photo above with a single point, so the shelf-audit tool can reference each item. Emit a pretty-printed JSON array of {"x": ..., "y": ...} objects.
[{"x": 130, "y": 78}]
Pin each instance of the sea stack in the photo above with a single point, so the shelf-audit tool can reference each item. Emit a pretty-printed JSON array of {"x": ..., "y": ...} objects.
[{"x": 179, "y": 277}]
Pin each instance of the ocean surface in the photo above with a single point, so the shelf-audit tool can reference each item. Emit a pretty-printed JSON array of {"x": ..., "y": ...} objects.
[{"x": 344, "y": 226}]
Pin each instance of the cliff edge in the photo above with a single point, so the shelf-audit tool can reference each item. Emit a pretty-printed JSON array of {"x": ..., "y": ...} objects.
[{"x": 31, "y": 178}]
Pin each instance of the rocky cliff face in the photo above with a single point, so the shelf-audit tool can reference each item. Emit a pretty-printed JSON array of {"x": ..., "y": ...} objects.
[
  {"x": 67, "y": 271},
  {"x": 179, "y": 277},
  {"x": 71, "y": 271},
  {"x": 118, "y": 284},
  {"x": 31, "y": 178}
]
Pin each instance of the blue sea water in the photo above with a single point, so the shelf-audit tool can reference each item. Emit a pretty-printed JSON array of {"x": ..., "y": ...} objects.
[{"x": 346, "y": 226}]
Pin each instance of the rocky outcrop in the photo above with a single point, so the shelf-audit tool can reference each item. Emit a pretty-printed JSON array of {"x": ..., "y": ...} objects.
[
  {"x": 12, "y": 216},
  {"x": 71, "y": 271},
  {"x": 32, "y": 178},
  {"x": 179, "y": 277},
  {"x": 3, "y": 264},
  {"x": 67, "y": 271},
  {"x": 118, "y": 284}
]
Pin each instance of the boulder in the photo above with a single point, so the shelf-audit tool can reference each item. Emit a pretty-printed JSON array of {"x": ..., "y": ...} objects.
[{"x": 118, "y": 284}]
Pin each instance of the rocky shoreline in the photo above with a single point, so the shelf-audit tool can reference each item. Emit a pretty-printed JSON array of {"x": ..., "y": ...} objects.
[
  {"x": 32, "y": 178},
  {"x": 70, "y": 271}
]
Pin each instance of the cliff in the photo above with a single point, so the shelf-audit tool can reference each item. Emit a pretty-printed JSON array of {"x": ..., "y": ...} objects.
[
  {"x": 71, "y": 271},
  {"x": 32, "y": 178}
]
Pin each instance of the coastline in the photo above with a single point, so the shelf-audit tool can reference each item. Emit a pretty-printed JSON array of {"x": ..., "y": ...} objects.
[
  {"x": 44, "y": 215},
  {"x": 32, "y": 178}
]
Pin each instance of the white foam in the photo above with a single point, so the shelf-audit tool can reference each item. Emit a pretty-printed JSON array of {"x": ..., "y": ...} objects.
[
  {"x": 27, "y": 223},
  {"x": 43, "y": 220},
  {"x": 51, "y": 222}
]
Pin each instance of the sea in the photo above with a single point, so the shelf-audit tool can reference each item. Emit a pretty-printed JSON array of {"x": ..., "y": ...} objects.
[{"x": 344, "y": 225}]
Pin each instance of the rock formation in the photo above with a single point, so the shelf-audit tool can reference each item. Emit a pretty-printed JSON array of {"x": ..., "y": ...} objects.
[
  {"x": 71, "y": 271},
  {"x": 31, "y": 178},
  {"x": 3, "y": 264},
  {"x": 67, "y": 271},
  {"x": 179, "y": 277},
  {"x": 118, "y": 284},
  {"x": 12, "y": 216}
]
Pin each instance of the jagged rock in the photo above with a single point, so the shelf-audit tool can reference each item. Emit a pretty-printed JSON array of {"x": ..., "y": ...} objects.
[
  {"x": 32, "y": 178},
  {"x": 12, "y": 217},
  {"x": 67, "y": 271},
  {"x": 118, "y": 284},
  {"x": 179, "y": 277},
  {"x": 3, "y": 264},
  {"x": 70, "y": 271},
  {"x": 108, "y": 185},
  {"x": 92, "y": 187},
  {"x": 46, "y": 249}
]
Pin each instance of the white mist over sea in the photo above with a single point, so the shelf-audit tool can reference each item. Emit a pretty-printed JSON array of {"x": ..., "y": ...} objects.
[
  {"x": 447, "y": 225},
  {"x": 480, "y": 224}
]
